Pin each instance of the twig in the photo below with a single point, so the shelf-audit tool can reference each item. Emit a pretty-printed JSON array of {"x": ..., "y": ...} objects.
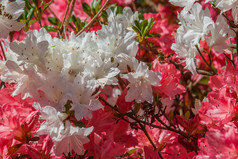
[
  {"x": 147, "y": 135},
  {"x": 62, "y": 24},
  {"x": 152, "y": 5},
  {"x": 70, "y": 13},
  {"x": 205, "y": 60},
  {"x": 230, "y": 59},
  {"x": 94, "y": 18},
  {"x": 3, "y": 52},
  {"x": 144, "y": 122},
  {"x": 53, "y": 13},
  {"x": 236, "y": 45}
]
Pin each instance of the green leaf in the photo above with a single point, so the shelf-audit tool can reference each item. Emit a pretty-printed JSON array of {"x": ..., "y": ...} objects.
[
  {"x": 112, "y": 7},
  {"x": 187, "y": 115},
  {"x": 23, "y": 21},
  {"x": 104, "y": 15},
  {"x": 234, "y": 49},
  {"x": 35, "y": 2},
  {"x": 78, "y": 123},
  {"x": 119, "y": 10},
  {"x": 50, "y": 28},
  {"x": 14, "y": 148},
  {"x": 137, "y": 107},
  {"x": 95, "y": 6},
  {"x": 24, "y": 15},
  {"x": 31, "y": 22},
  {"x": 46, "y": 5},
  {"x": 67, "y": 106},
  {"x": 171, "y": 115},
  {"x": 138, "y": 25},
  {"x": 53, "y": 20},
  {"x": 154, "y": 35},
  {"x": 128, "y": 153},
  {"x": 72, "y": 19},
  {"x": 35, "y": 138},
  {"x": 28, "y": 4},
  {"x": 204, "y": 81},
  {"x": 41, "y": 4},
  {"x": 136, "y": 30},
  {"x": 87, "y": 9},
  {"x": 30, "y": 14},
  {"x": 212, "y": 2},
  {"x": 141, "y": 16}
]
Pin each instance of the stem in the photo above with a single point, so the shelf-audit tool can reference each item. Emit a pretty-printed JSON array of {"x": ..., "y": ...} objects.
[
  {"x": 229, "y": 59},
  {"x": 236, "y": 45},
  {"x": 141, "y": 121},
  {"x": 152, "y": 5},
  {"x": 70, "y": 13},
  {"x": 3, "y": 51},
  {"x": 94, "y": 18},
  {"x": 39, "y": 21},
  {"x": 53, "y": 13},
  {"x": 149, "y": 138},
  {"x": 214, "y": 72},
  {"x": 147, "y": 135},
  {"x": 62, "y": 24}
]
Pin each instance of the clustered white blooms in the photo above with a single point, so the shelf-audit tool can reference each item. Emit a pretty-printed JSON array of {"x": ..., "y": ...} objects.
[
  {"x": 225, "y": 5},
  {"x": 196, "y": 25},
  {"x": 9, "y": 12},
  {"x": 54, "y": 71}
]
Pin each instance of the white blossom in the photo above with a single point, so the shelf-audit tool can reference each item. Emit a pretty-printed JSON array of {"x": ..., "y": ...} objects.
[
  {"x": 188, "y": 4},
  {"x": 114, "y": 39},
  {"x": 9, "y": 12},
  {"x": 219, "y": 34},
  {"x": 127, "y": 18},
  {"x": 195, "y": 24},
  {"x": 65, "y": 136},
  {"x": 72, "y": 139},
  {"x": 194, "y": 27},
  {"x": 225, "y": 5},
  {"x": 82, "y": 97},
  {"x": 141, "y": 79}
]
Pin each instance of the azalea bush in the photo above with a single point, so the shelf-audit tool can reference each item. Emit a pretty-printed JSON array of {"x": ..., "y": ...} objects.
[{"x": 118, "y": 79}]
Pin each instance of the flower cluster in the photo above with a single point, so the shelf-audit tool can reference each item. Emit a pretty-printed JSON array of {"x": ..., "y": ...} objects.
[{"x": 102, "y": 81}]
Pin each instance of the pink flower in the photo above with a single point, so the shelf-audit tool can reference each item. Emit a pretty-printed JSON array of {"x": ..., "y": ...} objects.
[
  {"x": 170, "y": 81},
  {"x": 220, "y": 143},
  {"x": 219, "y": 110}
]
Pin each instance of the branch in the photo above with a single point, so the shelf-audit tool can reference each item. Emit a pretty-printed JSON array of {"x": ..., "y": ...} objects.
[
  {"x": 3, "y": 51},
  {"x": 62, "y": 24},
  {"x": 141, "y": 121},
  {"x": 214, "y": 72},
  {"x": 70, "y": 13},
  {"x": 94, "y": 18}
]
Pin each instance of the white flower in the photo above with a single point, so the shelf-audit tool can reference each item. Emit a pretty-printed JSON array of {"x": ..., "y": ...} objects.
[
  {"x": 82, "y": 97},
  {"x": 9, "y": 12},
  {"x": 53, "y": 124},
  {"x": 225, "y": 5},
  {"x": 188, "y": 53},
  {"x": 65, "y": 136},
  {"x": 195, "y": 24},
  {"x": 219, "y": 33},
  {"x": 72, "y": 139},
  {"x": 114, "y": 39},
  {"x": 101, "y": 72},
  {"x": 185, "y": 50},
  {"x": 127, "y": 18},
  {"x": 141, "y": 79},
  {"x": 187, "y": 4}
]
